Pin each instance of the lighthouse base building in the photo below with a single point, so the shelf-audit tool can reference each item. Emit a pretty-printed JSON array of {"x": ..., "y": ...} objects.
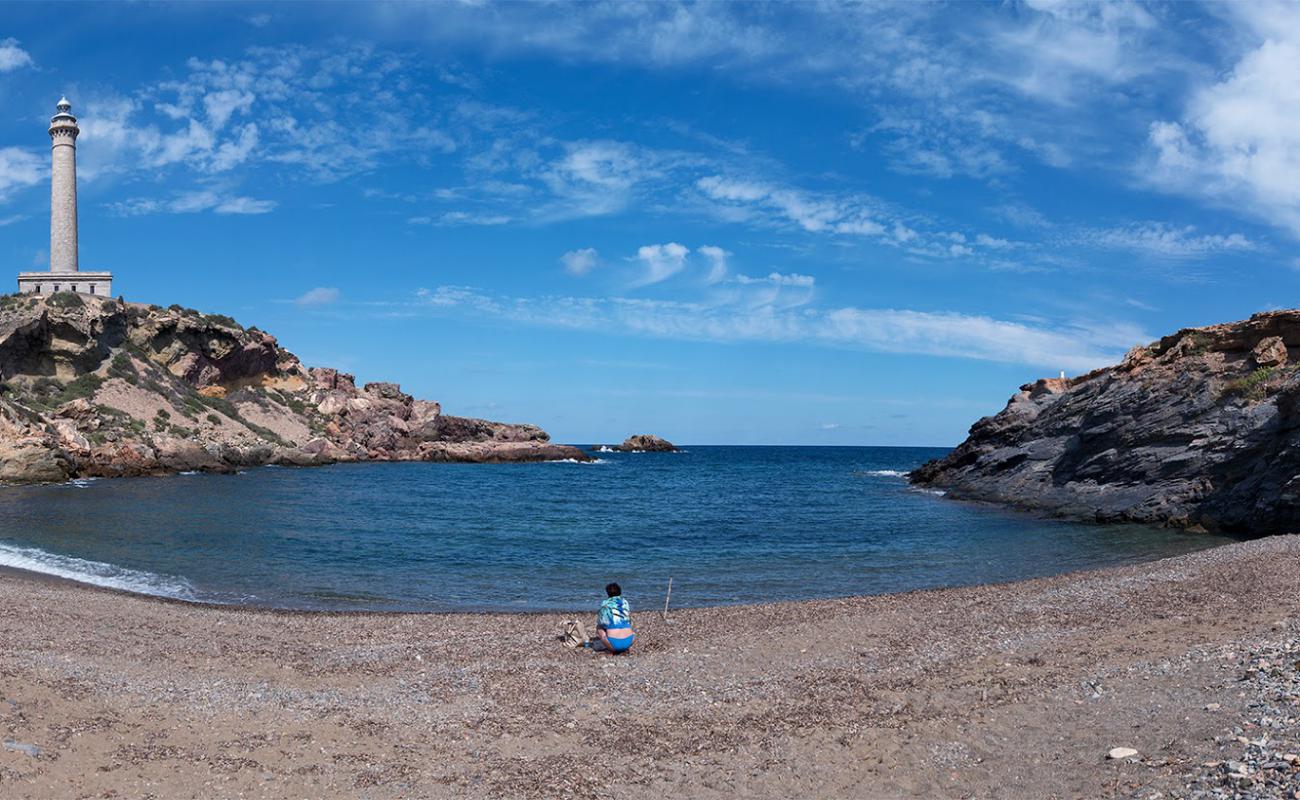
[
  {"x": 64, "y": 275},
  {"x": 96, "y": 283}
]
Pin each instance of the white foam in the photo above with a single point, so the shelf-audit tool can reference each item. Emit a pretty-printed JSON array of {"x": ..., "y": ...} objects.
[
  {"x": 575, "y": 461},
  {"x": 96, "y": 573},
  {"x": 886, "y": 473},
  {"x": 81, "y": 483},
  {"x": 606, "y": 449}
]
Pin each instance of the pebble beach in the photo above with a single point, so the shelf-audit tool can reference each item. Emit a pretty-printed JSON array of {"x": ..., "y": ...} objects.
[{"x": 1014, "y": 690}]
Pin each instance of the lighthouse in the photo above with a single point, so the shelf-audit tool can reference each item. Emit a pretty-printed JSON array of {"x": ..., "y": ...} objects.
[{"x": 65, "y": 274}]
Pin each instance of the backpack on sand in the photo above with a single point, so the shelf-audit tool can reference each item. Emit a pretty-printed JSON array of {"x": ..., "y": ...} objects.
[{"x": 574, "y": 634}]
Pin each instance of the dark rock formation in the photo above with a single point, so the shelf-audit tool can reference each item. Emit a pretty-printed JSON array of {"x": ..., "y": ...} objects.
[
  {"x": 1199, "y": 430},
  {"x": 644, "y": 443},
  {"x": 95, "y": 387}
]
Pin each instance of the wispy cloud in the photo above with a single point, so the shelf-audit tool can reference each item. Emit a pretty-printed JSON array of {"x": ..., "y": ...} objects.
[
  {"x": 1074, "y": 346},
  {"x": 717, "y": 258},
  {"x": 19, "y": 168},
  {"x": 454, "y": 218},
  {"x": 13, "y": 56},
  {"x": 320, "y": 296},
  {"x": 580, "y": 262},
  {"x": 1161, "y": 240},
  {"x": 192, "y": 203},
  {"x": 660, "y": 262}
]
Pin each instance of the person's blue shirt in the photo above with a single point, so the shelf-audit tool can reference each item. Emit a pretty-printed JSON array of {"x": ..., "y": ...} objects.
[{"x": 614, "y": 613}]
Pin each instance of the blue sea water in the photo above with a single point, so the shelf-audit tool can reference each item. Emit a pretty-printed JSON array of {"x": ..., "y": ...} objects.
[{"x": 727, "y": 524}]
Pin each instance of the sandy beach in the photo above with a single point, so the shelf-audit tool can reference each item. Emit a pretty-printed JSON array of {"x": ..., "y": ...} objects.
[{"x": 994, "y": 691}]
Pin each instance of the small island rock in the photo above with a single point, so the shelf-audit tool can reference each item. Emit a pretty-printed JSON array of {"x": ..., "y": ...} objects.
[{"x": 645, "y": 443}]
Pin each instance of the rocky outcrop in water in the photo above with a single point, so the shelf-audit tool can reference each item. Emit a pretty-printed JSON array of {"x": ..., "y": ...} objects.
[
  {"x": 96, "y": 387},
  {"x": 1198, "y": 430},
  {"x": 645, "y": 443}
]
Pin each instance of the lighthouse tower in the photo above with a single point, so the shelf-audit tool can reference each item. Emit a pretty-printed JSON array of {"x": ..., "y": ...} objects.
[{"x": 64, "y": 275}]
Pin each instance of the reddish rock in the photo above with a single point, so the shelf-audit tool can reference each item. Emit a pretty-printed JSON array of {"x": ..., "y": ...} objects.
[{"x": 1270, "y": 352}]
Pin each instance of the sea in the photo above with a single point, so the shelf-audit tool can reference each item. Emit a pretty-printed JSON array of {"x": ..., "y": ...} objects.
[{"x": 724, "y": 524}]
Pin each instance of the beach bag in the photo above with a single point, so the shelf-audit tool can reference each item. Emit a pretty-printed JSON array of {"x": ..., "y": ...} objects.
[{"x": 574, "y": 634}]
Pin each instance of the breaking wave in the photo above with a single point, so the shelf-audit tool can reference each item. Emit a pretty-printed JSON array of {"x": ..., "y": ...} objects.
[
  {"x": 96, "y": 573},
  {"x": 886, "y": 473}
]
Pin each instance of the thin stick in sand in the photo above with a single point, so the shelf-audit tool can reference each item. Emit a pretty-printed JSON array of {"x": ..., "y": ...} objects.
[{"x": 667, "y": 597}]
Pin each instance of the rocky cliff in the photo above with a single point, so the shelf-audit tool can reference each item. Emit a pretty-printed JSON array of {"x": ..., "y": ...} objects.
[
  {"x": 96, "y": 387},
  {"x": 1199, "y": 430}
]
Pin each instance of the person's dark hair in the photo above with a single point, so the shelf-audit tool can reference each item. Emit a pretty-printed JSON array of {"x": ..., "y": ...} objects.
[{"x": 613, "y": 589}]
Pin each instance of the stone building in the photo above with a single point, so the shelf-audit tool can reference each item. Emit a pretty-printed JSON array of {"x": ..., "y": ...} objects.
[{"x": 64, "y": 275}]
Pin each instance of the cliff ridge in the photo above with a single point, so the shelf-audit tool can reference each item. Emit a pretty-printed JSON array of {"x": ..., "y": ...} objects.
[
  {"x": 92, "y": 386},
  {"x": 1198, "y": 430}
]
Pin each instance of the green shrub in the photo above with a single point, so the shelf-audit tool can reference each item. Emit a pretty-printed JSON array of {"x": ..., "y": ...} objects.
[
  {"x": 162, "y": 412},
  {"x": 65, "y": 300},
  {"x": 222, "y": 319},
  {"x": 1253, "y": 386},
  {"x": 220, "y": 404},
  {"x": 83, "y": 386},
  {"x": 121, "y": 367},
  {"x": 214, "y": 419}
]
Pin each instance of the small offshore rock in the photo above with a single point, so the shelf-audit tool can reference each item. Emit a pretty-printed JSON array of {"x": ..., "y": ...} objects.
[{"x": 645, "y": 443}]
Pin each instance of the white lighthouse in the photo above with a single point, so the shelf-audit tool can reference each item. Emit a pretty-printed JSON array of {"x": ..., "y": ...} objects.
[{"x": 64, "y": 274}]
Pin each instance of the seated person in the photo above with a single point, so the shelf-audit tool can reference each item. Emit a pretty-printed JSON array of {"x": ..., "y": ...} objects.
[{"x": 614, "y": 622}]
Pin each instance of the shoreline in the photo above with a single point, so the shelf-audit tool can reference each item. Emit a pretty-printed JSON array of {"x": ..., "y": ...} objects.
[
  {"x": 21, "y": 573},
  {"x": 941, "y": 693}
]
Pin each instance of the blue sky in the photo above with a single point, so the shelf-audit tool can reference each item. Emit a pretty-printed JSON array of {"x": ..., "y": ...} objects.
[{"x": 791, "y": 223}]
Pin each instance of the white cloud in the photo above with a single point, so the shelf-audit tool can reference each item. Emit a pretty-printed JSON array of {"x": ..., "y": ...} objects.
[
  {"x": 1238, "y": 140},
  {"x": 12, "y": 56},
  {"x": 11, "y": 219},
  {"x": 244, "y": 205},
  {"x": 1070, "y": 346},
  {"x": 580, "y": 262},
  {"x": 259, "y": 20},
  {"x": 717, "y": 258},
  {"x": 454, "y": 218},
  {"x": 661, "y": 261},
  {"x": 19, "y": 169},
  {"x": 1167, "y": 241},
  {"x": 822, "y": 213},
  {"x": 192, "y": 203},
  {"x": 320, "y": 296},
  {"x": 778, "y": 279}
]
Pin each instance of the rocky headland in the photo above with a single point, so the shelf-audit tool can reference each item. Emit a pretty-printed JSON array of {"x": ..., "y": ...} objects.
[
  {"x": 97, "y": 387},
  {"x": 1199, "y": 430}
]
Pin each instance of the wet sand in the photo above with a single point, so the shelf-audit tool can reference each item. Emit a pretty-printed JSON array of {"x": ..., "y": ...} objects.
[{"x": 1014, "y": 690}]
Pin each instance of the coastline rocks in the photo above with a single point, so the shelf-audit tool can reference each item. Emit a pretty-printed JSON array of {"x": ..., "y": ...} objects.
[
  {"x": 645, "y": 443},
  {"x": 33, "y": 462},
  {"x": 1199, "y": 430},
  {"x": 95, "y": 387}
]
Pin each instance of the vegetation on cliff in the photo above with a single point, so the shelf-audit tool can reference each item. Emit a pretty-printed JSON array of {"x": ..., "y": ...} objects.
[{"x": 98, "y": 387}]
